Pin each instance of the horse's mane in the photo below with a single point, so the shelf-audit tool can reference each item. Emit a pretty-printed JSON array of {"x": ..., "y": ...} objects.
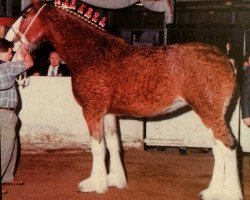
[
  {"x": 84, "y": 12},
  {"x": 78, "y": 34}
]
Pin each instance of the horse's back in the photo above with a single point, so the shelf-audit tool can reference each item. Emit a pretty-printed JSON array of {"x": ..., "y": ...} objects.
[
  {"x": 156, "y": 78},
  {"x": 148, "y": 81},
  {"x": 180, "y": 65}
]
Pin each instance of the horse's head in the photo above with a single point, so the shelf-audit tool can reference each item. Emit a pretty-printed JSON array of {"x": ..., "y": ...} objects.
[
  {"x": 63, "y": 25},
  {"x": 28, "y": 27}
]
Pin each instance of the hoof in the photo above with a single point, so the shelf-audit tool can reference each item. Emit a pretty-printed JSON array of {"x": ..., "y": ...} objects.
[
  {"x": 98, "y": 185},
  {"x": 231, "y": 194},
  {"x": 117, "y": 181},
  {"x": 209, "y": 194}
]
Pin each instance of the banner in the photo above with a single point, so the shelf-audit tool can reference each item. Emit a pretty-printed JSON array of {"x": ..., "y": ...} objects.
[
  {"x": 166, "y": 6},
  {"x": 154, "y": 5}
]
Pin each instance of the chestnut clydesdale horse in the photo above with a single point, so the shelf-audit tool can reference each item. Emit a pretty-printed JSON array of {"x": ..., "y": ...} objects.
[{"x": 111, "y": 77}]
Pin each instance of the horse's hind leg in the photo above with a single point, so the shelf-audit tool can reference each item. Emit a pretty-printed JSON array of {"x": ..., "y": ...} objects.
[
  {"x": 225, "y": 184},
  {"x": 231, "y": 187},
  {"x": 216, "y": 183},
  {"x": 98, "y": 180},
  {"x": 116, "y": 176}
]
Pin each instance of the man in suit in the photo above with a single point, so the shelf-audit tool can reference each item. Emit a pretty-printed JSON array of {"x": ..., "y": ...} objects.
[{"x": 56, "y": 68}]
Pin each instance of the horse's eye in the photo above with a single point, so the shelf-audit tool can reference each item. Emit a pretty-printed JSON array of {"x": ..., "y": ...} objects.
[{"x": 25, "y": 16}]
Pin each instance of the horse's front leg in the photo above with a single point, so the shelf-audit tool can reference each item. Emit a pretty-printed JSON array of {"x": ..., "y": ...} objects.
[
  {"x": 116, "y": 176},
  {"x": 98, "y": 180}
]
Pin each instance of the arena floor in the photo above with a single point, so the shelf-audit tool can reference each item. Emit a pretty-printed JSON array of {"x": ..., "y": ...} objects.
[{"x": 152, "y": 175}]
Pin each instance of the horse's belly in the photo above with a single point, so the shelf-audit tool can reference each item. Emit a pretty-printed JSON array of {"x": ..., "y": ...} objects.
[
  {"x": 151, "y": 109},
  {"x": 178, "y": 103}
]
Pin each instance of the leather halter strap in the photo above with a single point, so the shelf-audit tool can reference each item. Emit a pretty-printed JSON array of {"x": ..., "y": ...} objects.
[{"x": 32, "y": 21}]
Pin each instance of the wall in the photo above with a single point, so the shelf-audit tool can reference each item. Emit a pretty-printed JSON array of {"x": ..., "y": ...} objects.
[{"x": 51, "y": 119}]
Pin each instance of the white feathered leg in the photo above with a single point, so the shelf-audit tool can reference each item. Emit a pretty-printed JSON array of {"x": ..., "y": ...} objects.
[
  {"x": 225, "y": 184},
  {"x": 116, "y": 176},
  {"x": 231, "y": 188},
  {"x": 214, "y": 190},
  {"x": 98, "y": 180}
]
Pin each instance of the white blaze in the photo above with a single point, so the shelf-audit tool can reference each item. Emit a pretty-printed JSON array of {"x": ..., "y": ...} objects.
[{"x": 14, "y": 32}]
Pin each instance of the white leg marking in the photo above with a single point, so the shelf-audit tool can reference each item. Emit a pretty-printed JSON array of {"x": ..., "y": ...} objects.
[
  {"x": 215, "y": 187},
  {"x": 231, "y": 188},
  {"x": 225, "y": 184},
  {"x": 116, "y": 175},
  {"x": 98, "y": 180}
]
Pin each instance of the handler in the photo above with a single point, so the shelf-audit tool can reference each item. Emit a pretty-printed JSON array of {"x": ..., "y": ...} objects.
[
  {"x": 245, "y": 96},
  {"x": 8, "y": 104}
]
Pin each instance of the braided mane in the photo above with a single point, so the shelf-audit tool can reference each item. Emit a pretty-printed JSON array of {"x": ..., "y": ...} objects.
[
  {"x": 82, "y": 12},
  {"x": 80, "y": 40}
]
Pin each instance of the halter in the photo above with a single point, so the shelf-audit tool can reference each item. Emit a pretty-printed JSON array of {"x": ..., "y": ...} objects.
[
  {"x": 22, "y": 35},
  {"x": 22, "y": 79}
]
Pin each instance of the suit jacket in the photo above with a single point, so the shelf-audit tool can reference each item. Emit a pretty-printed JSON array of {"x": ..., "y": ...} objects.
[
  {"x": 62, "y": 69},
  {"x": 245, "y": 94}
]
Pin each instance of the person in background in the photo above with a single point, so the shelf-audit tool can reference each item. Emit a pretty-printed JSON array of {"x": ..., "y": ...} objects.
[
  {"x": 56, "y": 68},
  {"x": 245, "y": 92},
  {"x": 8, "y": 104},
  {"x": 246, "y": 62}
]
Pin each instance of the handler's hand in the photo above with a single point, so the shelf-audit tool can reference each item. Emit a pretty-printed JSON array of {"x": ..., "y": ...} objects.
[
  {"x": 23, "y": 51},
  {"x": 247, "y": 121}
]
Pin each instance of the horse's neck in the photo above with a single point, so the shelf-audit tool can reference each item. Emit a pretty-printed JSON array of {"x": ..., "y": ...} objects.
[{"x": 77, "y": 41}]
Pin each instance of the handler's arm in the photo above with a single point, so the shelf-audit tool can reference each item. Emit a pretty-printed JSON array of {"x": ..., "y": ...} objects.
[{"x": 28, "y": 61}]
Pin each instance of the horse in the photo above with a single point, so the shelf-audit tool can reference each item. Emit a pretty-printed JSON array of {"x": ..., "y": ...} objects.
[{"x": 111, "y": 78}]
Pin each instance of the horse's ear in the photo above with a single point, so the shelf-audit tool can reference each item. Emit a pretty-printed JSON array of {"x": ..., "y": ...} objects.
[{"x": 37, "y": 4}]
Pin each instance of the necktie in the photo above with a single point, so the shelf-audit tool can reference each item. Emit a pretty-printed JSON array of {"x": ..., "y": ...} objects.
[{"x": 53, "y": 72}]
